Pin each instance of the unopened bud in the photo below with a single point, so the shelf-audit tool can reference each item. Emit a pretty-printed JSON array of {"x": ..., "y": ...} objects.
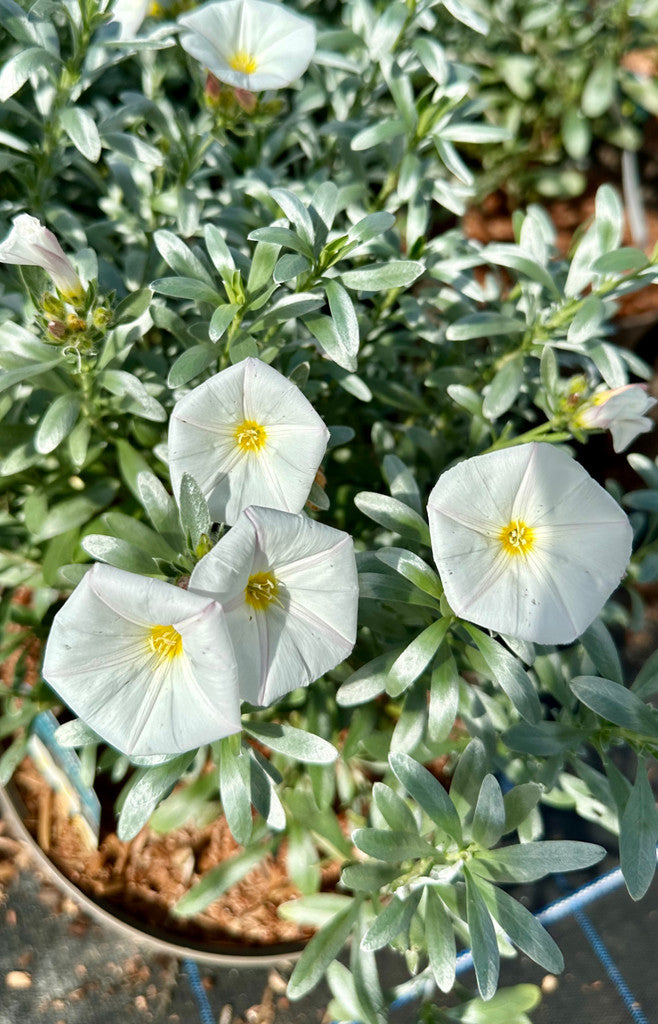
[
  {"x": 57, "y": 329},
  {"x": 76, "y": 323},
  {"x": 52, "y": 306},
  {"x": 212, "y": 89},
  {"x": 101, "y": 317},
  {"x": 247, "y": 100},
  {"x": 577, "y": 384},
  {"x": 204, "y": 546}
]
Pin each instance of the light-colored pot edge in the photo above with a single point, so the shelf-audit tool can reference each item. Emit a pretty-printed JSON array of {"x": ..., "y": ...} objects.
[{"x": 155, "y": 939}]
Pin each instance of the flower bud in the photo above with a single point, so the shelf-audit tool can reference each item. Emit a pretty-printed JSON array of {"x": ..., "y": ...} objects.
[
  {"x": 76, "y": 323},
  {"x": 101, "y": 317},
  {"x": 212, "y": 90},
  {"x": 52, "y": 306},
  {"x": 57, "y": 329},
  {"x": 30, "y": 244},
  {"x": 619, "y": 410},
  {"x": 129, "y": 15},
  {"x": 246, "y": 100},
  {"x": 204, "y": 546}
]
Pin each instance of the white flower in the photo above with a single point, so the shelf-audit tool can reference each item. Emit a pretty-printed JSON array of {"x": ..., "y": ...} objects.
[
  {"x": 621, "y": 410},
  {"x": 147, "y": 665},
  {"x": 249, "y": 44},
  {"x": 248, "y": 437},
  {"x": 526, "y": 543},
  {"x": 288, "y": 586},
  {"x": 129, "y": 14},
  {"x": 29, "y": 244}
]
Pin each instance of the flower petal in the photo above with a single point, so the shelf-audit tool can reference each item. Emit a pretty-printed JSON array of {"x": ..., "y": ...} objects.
[
  {"x": 224, "y": 572},
  {"x": 280, "y": 42},
  {"x": 204, "y": 441},
  {"x": 30, "y": 244},
  {"x": 577, "y": 546},
  {"x": 482, "y": 495},
  {"x": 310, "y": 624},
  {"x": 100, "y": 660}
]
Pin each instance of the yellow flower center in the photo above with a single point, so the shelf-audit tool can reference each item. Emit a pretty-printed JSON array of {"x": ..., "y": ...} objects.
[
  {"x": 517, "y": 538},
  {"x": 250, "y": 436},
  {"x": 262, "y": 588},
  {"x": 243, "y": 61},
  {"x": 165, "y": 642}
]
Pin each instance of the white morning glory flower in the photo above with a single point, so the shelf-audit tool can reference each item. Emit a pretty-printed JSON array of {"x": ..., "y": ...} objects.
[
  {"x": 289, "y": 589},
  {"x": 248, "y": 437},
  {"x": 30, "y": 244},
  {"x": 526, "y": 543},
  {"x": 619, "y": 410},
  {"x": 148, "y": 666},
  {"x": 249, "y": 44},
  {"x": 129, "y": 14}
]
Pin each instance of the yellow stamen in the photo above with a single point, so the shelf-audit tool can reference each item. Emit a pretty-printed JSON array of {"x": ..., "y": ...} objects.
[
  {"x": 517, "y": 538},
  {"x": 243, "y": 61},
  {"x": 251, "y": 436},
  {"x": 261, "y": 589},
  {"x": 165, "y": 642}
]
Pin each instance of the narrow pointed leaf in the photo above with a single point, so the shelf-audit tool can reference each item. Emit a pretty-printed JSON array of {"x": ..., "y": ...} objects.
[
  {"x": 218, "y": 881},
  {"x": 489, "y": 817},
  {"x": 484, "y": 946},
  {"x": 508, "y": 672},
  {"x": 638, "y": 834},
  {"x": 394, "y": 918},
  {"x": 393, "y": 809},
  {"x": 234, "y": 791},
  {"x": 428, "y": 792},
  {"x": 616, "y": 704},
  {"x": 530, "y": 861},
  {"x": 392, "y": 846},
  {"x": 440, "y": 939},
  {"x": 148, "y": 787},
  {"x": 296, "y": 743},
  {"x": 522, "y": 927},
  {"x": 321, "y": 950}
]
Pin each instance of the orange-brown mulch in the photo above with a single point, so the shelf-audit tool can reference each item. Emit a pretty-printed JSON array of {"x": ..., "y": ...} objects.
[
  {"x": 150, "y": 873},
  {"x": 491, "y": 221}
]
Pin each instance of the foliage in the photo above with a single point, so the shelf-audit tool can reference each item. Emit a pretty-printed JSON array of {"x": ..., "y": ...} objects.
[
  {"x": 601, "y": 55},
  {"x": 316, "y": 229}
]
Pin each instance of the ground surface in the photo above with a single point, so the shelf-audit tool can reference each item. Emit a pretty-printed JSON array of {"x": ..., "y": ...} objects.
[{"x": 59, "y": 967}]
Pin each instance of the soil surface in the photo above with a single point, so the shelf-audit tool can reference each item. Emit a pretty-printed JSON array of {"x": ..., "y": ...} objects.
[{"x": 150, "y": 873}]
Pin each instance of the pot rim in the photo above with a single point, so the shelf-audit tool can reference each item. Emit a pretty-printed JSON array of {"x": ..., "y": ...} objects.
[{"x": 127, "y": 924}]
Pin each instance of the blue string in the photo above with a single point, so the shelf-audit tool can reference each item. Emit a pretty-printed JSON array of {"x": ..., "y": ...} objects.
[
  {"x": 611, "y": 969},
  {"x": 206, "y": 1016},
  {"x": 605, "y": 957},
  {"x": 553, "y": 912}
]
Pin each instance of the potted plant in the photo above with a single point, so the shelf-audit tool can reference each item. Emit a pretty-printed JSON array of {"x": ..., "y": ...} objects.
[{"x": 293, "y": 493}]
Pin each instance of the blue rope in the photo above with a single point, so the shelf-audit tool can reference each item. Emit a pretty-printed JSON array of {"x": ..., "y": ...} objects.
[
  {"x": 206, "y": 1016},
  {"x": 573, "y": 905},
  {"x": 564, "y": 907},
  {"x": 604, "y": 955},
  {"x": 580, "y": 898},
  {"x": 611, "y": 969}
]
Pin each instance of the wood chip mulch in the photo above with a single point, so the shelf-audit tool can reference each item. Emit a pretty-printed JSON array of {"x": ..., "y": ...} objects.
[{"x": 149, "y": 874}]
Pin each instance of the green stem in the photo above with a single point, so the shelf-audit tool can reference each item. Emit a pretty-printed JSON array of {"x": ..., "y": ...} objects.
[
  {"x": 46, "y": 170},
  {"x": 540, "y": 433}
]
